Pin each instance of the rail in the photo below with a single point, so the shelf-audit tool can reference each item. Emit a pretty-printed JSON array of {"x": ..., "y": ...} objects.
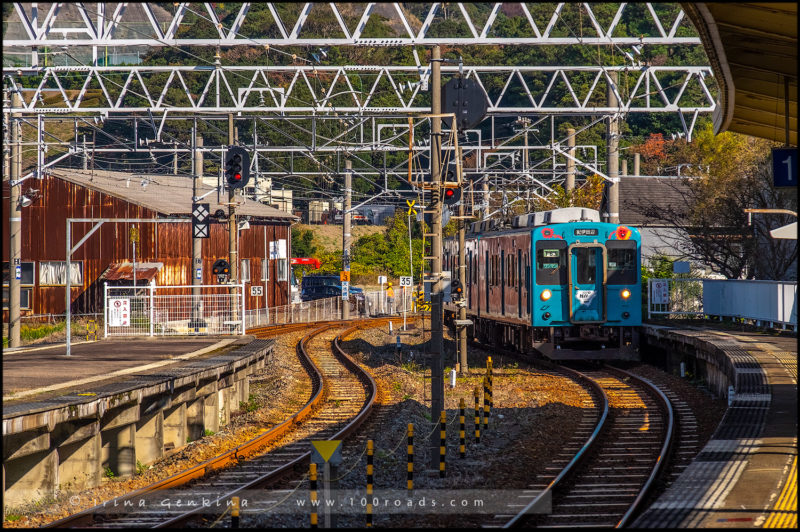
[{"x": 250, "y": 448}]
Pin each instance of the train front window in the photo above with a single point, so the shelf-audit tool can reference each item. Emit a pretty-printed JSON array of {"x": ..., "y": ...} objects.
[
  {"x": 585, "y": 266},
  {"x": 622, "y": 264},
  {"x": 551, "y": 263}
]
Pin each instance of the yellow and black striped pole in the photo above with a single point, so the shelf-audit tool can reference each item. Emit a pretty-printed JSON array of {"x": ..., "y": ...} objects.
[
  {"x": 443, "y": 442},
  {"x": 490, "y": 373},
  {"x": 410, "y": 481},
  {"x": 312, "y": 487},
  {"x": 462, "y": 448},
  {"x": 477, "y": 416},
  {"x": 485, "y": 402},
  {"x": 234, "y": 512},
  {"x": 370, "y": 450}
]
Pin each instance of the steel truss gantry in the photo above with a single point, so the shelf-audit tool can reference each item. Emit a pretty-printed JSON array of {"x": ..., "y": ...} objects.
[
  {"x": 144, "y": 24},
  {"x": 326, "y": 90}
]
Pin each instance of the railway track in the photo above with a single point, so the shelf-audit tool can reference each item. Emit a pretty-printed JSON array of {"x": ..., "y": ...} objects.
[
  {"x": 604, "y": 474},
  {"x": 342, "y": 396}
]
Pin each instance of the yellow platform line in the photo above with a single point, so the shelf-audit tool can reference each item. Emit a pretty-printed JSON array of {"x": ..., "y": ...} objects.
[{"x": 784, "y": 513}]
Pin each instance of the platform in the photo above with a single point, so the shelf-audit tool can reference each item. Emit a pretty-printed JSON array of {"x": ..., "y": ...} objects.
[
  {"x": 746, "y": 475},
  {"x": 46, "y": 370},
  {"x": 115, "y": 404}
]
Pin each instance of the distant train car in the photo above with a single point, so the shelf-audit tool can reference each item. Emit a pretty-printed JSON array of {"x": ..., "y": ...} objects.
[{"x": 561, "y": 282}]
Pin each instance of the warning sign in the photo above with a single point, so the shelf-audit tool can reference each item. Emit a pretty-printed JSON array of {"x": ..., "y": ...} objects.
[
  {"x": 659, "y": 292},
  {"x": 119, "y": 312}
]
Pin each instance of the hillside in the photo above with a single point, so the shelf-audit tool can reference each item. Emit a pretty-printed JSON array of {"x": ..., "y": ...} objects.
[{"x": 329, "y": 237}]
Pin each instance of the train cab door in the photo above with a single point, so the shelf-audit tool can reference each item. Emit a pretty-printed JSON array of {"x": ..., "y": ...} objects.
[{"x": 587, "y": 283}]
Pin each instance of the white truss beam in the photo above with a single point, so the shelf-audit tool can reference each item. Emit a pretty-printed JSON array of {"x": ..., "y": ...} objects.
[
  {"x": 52, "y": 32},
  {"x": 313, "y": 89}
]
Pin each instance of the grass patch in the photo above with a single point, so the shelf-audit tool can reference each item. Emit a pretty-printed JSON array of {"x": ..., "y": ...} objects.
[
  {"x": 250, "y": 405},
  {"x": 140, "y": 468},
  {"x": 108, "y": 473},
  {"x": 13, "y": 517},
  {"x": 209, "y": 432},
  {"x": 411, "y": 367}
]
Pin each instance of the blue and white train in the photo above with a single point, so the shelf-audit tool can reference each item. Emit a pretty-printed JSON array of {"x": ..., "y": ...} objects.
[{"x": 559, "y": 282}]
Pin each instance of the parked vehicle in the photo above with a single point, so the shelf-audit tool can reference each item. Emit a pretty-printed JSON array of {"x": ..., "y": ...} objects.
[{"x": 320, "y": 286}]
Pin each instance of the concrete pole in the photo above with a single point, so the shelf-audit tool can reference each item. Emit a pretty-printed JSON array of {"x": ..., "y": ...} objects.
[
  {"x": 85, "y": 155},
  {"x": 233, "y": 254},
  {"x": 15, "y": 227},
  {"x": 570, "y": 185},
  {"x": 624, "y": 163},
  {"x": 462, "y": 268},
  {"x": 636, "y": 162},
  {"x": 348, "y": 191},
  {"x": 437, "y": 310},
  {"x": 197, "y": 243},
  {"x": 612, "y": 140},
  {"x": 486, "y": 210},
  {"x": 175, "y": 159}
]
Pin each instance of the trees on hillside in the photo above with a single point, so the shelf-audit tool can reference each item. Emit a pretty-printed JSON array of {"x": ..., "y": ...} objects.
[{"x": 734, "y": 173}]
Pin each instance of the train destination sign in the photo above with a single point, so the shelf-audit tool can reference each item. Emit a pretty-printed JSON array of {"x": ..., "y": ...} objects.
[{"x": 586, "y": 232}]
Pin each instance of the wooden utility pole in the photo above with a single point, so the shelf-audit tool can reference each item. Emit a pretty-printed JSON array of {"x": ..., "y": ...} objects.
[{"x": 233, "y": 254}]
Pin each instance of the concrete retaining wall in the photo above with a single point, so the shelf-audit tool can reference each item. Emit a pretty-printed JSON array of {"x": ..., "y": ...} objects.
[{"x": 67, "y": 444}]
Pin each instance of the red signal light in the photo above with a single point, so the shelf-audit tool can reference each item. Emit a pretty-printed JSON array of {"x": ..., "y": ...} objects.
[
  {"x": 449, "y": 192},
  {"x": 237, "y": 177}
]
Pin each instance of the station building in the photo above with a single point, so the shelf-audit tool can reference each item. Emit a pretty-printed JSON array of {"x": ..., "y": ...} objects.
[{"x": 163, "y": 251}]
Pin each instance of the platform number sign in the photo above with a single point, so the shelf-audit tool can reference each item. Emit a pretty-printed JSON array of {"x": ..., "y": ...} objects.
[
  {"x": 200, "y": 214},
  {"x": 784, "y": 167}
]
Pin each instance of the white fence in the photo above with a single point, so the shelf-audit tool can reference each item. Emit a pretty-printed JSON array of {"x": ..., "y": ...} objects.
[
  {"x": 367, "y": 304},
  {"x": 146, "y": 312},
  {"x": 765, "y": 302}
]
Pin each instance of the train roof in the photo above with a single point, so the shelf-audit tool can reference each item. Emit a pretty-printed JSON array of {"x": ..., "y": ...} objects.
[{"x": 536, "y": 219}]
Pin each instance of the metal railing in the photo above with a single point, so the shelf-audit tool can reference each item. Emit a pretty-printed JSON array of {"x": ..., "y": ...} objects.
[
  {"x": 367, "y": 304},
  {"x": 144, "y": 311},
  {"x": 764, "y": 302}
]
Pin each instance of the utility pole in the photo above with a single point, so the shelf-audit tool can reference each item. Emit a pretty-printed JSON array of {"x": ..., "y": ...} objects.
[
  {"x": 612, "y": 143},
  {"x": 462, "y": 269},
  {"x": 348, "y": 183},
  {"x": 197, "y": 243},
  {"x": 85, "y": 154},
  {"x": 437, "y": 311},
  {"x": 233, "y": 254},
  {"x": 15, "y": 226},
  {"x": 636, "y": 163},
  {"x": 175, "y": 160},
  {"x": 486, "y": 209},
  {"x": 570, "y": 163}
]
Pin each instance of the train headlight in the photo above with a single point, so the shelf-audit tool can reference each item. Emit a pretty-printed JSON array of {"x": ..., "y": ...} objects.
[
  {"x": 625, "y": 293},
  {"x": 546, "y": 294}
]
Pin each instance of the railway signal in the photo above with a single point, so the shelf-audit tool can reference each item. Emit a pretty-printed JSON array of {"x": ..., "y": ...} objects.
[
  {"x": 221, "y": 268},
  {"x": 456, "y": 290},
  {"x": 451, "y": 195},
  {"x": 237, "y": 167}
]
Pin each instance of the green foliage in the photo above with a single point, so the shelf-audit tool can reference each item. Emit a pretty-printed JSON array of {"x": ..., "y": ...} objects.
[
  {"x": 140, "y": 468},
  {"x": 303, "y": 243},
  {"x": 208, "y": 432},
  {"x": 108, "y": 473}
]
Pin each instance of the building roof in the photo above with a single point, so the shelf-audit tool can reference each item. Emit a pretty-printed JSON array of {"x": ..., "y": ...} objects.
[
  {"x": 163, "y": 193},
  {"x": 123, "y": 271},
  {"x": 752, "y": 48},
  {"x": 640, "y": 198}
]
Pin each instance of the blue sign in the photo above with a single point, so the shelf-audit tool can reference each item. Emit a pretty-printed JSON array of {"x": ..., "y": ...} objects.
[
  {"x": 198, "y": 273},
  {"x": 784, "y": 167},
  {"x": 18, "y": 272}
]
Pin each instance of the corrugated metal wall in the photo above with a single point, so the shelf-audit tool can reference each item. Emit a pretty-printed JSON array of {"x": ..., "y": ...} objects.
[{"x": 44, "y": 239}]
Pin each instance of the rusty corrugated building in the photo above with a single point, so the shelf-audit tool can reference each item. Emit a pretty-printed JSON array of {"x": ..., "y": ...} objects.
[{"x": 165, "y": 248}]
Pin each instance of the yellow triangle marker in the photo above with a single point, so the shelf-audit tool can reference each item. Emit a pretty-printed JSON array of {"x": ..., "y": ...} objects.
[{"x": 326, "y": 448}]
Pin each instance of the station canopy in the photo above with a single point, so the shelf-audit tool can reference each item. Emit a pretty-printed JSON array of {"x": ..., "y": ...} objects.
[{"x": 752, "y": 48}]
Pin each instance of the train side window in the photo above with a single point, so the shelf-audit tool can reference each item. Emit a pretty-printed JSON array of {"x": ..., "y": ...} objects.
[
  {"x": 551, "y": 263},
  {"x": 622, "y": 263}
]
